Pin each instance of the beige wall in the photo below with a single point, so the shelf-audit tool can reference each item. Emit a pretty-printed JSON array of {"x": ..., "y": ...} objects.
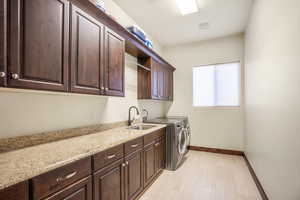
[
  {"x": 272, "y": 57},
  {"x": 27, "y": 112},
  {"x": 214, "y": 127}
]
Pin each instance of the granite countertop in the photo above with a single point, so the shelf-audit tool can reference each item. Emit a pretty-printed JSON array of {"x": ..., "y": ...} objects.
[{"x": 20, "y": 165}]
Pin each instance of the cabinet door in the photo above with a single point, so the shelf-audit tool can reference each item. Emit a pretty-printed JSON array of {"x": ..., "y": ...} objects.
[
  {"x": 159, "y": 155},
  {"x": 114, "y": 63},
  {"x": 39, "y": 44},
  {"x": 154, "y": 80},
  {"x": 161, "y": 82},
  {"x": 3, "y": 45},
  {"x": 15, "y": 192},
  {"x": 109, "y": 182},
  {"x": 170, "y": 85},
  {"x": 166, "y": 83},
  {"x": 87, "y": 53},
  {"x": 134, "y": 175},
  {"x": 149, "y": 164},
  {"x": 81, "y": 190}
]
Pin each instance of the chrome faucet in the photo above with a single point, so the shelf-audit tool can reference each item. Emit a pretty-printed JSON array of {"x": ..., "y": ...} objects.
[
  {"x": 146, "y": 116},
  {"x": 129, "y": 115}
]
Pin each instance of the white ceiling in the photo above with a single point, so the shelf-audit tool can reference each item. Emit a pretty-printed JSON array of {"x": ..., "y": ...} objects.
[{"x": 163, "y": 21}]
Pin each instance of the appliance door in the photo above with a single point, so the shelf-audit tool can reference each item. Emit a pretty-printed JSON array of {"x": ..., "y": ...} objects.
[
  {"x": 188, "y": 133},
  {"x": 187, "y": 138},
  {"x": 182, "y": 142}
]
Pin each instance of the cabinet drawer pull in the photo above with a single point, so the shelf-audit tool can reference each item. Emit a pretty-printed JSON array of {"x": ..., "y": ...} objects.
[
  {"x": 15, "y": 76},
  {"x": 134, "y": 145},
  {"x": 2, "y": 74},
  {"x": 59, "y": 179},
  {"x": 111, "y": 156}
]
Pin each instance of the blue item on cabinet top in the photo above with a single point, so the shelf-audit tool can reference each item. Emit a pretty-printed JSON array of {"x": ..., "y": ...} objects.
[
  {"x": 99, "y": 4},
  {"x": 137, "y": 32},
  {"x": 149, "y": 43}
]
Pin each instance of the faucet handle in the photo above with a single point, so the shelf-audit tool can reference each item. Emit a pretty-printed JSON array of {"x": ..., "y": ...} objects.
[{"x": 145, "y": 117}]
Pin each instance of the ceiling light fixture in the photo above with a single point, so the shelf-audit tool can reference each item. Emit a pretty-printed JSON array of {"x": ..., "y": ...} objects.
[
  {"x": 187, "y": 6},
  {"x": 203, "y": 26}
]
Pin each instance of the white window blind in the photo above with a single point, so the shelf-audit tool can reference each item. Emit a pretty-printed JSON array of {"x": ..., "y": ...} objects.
[{"x": 217, "y": 85}]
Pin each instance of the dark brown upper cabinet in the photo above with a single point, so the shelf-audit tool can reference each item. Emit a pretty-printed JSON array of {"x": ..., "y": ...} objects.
[
  {"x": 3, "y": 42},
  {"x": 166, "y": 84},
  {"x": 170, "y": 90},
  {"x": 45, "y": 45},
  {"x": 87, "y": 53},
  {"x": 114, "y": 63},
  {"x": 161, "y": 82},
  {"x": 39, "y": 44},
  {"x": 144, "y": 78},
  {"x": 157, "y": 83},
  {"x": 155, "y": 76}
]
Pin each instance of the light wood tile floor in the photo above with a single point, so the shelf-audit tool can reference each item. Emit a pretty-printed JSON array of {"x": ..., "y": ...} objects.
[{"x": 206, "y": 176}]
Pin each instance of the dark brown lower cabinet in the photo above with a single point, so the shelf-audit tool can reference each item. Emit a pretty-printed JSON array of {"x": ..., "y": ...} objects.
[
  {"x": 122, "y": 172},
  {"x": 15, "y": 192},
  {"x": 81, "y": 190},
  {"x": 109, "y": 182},
  {"x": 134, "y": 184},
  {"x": 149, "y": 163},
  {"x": 154, "y": 160},
  {"x": 160, "y": 155},
  {"x": 3, "y": 42}
]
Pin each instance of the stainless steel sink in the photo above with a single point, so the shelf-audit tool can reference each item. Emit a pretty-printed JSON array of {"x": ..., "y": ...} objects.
[{"x": 141, "y": 127}]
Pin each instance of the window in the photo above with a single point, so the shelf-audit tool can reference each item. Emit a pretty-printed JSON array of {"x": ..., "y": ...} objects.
[{"x": 217, "y": 85}]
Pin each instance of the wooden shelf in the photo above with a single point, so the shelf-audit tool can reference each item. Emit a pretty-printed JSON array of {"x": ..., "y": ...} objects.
[{"x": 134, "y": 46}]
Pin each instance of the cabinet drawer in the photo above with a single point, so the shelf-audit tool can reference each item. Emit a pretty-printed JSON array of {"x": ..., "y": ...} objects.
[
  {"x": 53, "y": 181},
  {"x": 80, "y": 190},
  {"x": 133, "y": 145},
  {"x": 148, "y": 139},
  {"x": 107, "y": 157}
]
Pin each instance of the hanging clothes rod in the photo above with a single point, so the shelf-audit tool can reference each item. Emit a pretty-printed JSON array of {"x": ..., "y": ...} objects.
[{"x": 141, "y": 66}]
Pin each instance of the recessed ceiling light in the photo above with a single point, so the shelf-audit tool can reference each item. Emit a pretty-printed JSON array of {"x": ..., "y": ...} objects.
[
  {"x": 203, "y": 26},
  {"x": 187, "y": 6}
]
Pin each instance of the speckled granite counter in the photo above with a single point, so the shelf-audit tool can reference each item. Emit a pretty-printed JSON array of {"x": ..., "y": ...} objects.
[{"x": 20, "y": 165}]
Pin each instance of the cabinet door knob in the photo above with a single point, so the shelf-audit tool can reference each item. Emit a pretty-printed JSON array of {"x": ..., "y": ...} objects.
[
  {"x": 127, "y": 162},
  {"x": 106, "y": 89},
  {"x": 2, "y": 74},
  {"x": 102, "y": 88},
  {"x": 15, "y": 76},
  {"x": 123, "y": 165}
]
